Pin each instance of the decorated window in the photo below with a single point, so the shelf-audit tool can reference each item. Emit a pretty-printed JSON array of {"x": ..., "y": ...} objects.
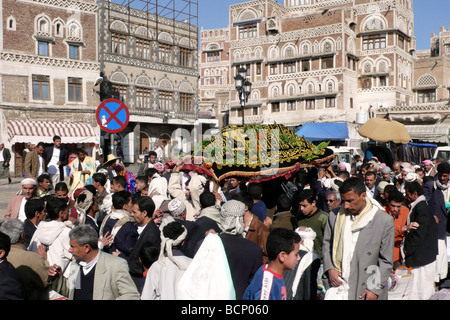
[
  {"x": 248, "y": 31},
  {"x": 143, "y": 48},
  {"x": 118, "y": 43},
  {"x": 374, "y": 41},
  {"x": 143, "y": 98}
]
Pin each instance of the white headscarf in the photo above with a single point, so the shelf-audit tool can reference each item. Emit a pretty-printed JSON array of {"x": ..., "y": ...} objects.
[
  {"x": 83, "y": 206},
  {"x": 307, "y": 235},
  {"x": 176, "y": 207},
  {"x": 330, "y": 184},
  {"x": 158, "y": 184},
  {"x": 29, "y": 181},
  {"x": 167, "y": 244},
  {"x": 232, "y": 217}
]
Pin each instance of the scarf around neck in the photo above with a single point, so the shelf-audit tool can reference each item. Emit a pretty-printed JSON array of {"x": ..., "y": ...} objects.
[
  {"x": 122, "y": 216},
  {"x": 441, "y": 186},
  {"x": 341, "y": 239}
]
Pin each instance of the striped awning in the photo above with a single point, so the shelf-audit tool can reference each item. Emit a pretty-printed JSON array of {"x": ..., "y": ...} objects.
[{"x": 36, "y": 131}]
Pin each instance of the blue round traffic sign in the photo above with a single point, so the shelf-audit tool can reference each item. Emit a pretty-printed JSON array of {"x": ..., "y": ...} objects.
[{"x": 112, "y": 115}]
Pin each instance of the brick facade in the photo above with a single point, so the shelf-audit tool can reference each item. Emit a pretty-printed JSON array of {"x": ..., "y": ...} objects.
[
  {"x": 35, "y": 37},
  {"x": 320, "y": 60},
  {"x": 426, "y": 117}
]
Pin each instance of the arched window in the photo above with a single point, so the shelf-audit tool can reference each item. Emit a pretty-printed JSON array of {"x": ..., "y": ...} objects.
[
  {"x": 305, "y": 49},
  {"x": 74, "y": 31},
  {"x": 11, "y": 24},
  {"x": 43, "y": 34},
  {"x": 289, "y": 52},
  {"x": 43, "y": 26},
  {"x": 374, "y": 23},
  {"x": 327, "y": 47},
  {"x": 330, "y": 86},
  {"x": 273, "y": 53},
  {"x": 426, "y": 80}
]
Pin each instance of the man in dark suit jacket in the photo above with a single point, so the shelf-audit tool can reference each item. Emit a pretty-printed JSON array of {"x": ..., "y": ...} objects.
[
  {"x": 56, "y": 167},
  {"x": 35, "y": 213},
  {"x": 434, "y": 190},
  {"x": 244, "y": 256},
  {"x": 142, "y": 210},
  {"x": 370, "y": 180},
  {"x": 202, "y": 225},
  {"x": 10, "y": 285},
  {"x": 421, "y": 244},
  {"x": 4, "y": 165},
  {"x": 121, "y": 225}
]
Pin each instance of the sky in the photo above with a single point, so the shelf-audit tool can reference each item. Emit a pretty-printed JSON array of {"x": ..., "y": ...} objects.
[{"x": 429, "y": 16}]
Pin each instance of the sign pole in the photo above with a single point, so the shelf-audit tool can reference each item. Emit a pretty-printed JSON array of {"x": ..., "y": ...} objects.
[
  {"x": 113, "y": 117},
  {"x": 111, "y": 138}
]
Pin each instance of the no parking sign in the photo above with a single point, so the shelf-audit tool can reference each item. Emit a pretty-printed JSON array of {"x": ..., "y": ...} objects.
[{"x": 112, "y": 115}]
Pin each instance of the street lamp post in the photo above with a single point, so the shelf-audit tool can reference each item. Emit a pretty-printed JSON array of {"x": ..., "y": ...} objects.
[
  {"x": 448, "y": 88},
  {"x": 243, "y": 87}
]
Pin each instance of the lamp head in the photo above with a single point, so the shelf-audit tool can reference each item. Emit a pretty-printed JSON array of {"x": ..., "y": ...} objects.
[
  {"x": 98, "y": 81},
  {"x": 247, "y": 86},
  {"x": 242, "y": 72},
  {"x": 238, "y": 82}
]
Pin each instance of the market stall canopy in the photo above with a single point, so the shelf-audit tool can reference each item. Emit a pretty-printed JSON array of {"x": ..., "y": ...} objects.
[
  {"x": 325, "y": 131},
  {"x": 259, "y": 153},
  {"x": 37, "y": 131},
  {"x": 430, "y": 133},
  {"x": 384, "y": 130}
]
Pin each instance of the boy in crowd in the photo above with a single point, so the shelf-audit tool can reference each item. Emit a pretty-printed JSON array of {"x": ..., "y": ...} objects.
[{"x": 282, "y": 249}]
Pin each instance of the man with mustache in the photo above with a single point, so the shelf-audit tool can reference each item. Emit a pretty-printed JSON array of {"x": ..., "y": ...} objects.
[{"x": 16, "y": 205}]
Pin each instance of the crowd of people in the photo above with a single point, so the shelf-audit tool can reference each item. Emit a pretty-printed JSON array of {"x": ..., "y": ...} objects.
[{"x": 169, "y": 232}]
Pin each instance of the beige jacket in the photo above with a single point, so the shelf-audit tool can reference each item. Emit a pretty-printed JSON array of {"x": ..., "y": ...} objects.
[
  {"x": 112, "y": 280},
  {"x": 32, "y": 164},
  {"x": 19, "y": 256}
]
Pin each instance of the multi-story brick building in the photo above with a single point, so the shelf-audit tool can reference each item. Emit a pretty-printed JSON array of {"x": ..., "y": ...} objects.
[
  {"x": 426, "y": 117},
  {"x": 310, "y": 60},
  {"x": 48, "y": 68},
  {"x": 150, "y": 61},
  {"x": 214, "y": 69}
]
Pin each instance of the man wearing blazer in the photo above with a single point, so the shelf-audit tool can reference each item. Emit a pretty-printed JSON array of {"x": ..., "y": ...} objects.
[
  {"x": 5, "y": 158},
  {"x": 370, "y": 179},
  {"x": 16, "y": 205},
  {"x": 421, "y": 244},
  {"x": 11, "y": 287},
  {"x": 56, "y": 158},
  {"x": 94, "y": 274},
  {"x": 363, "y": 274},
  {"x": 149, "y": 236},
  {"x": 437, "y": 193},
  {"x": 35, "y": 163}
]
